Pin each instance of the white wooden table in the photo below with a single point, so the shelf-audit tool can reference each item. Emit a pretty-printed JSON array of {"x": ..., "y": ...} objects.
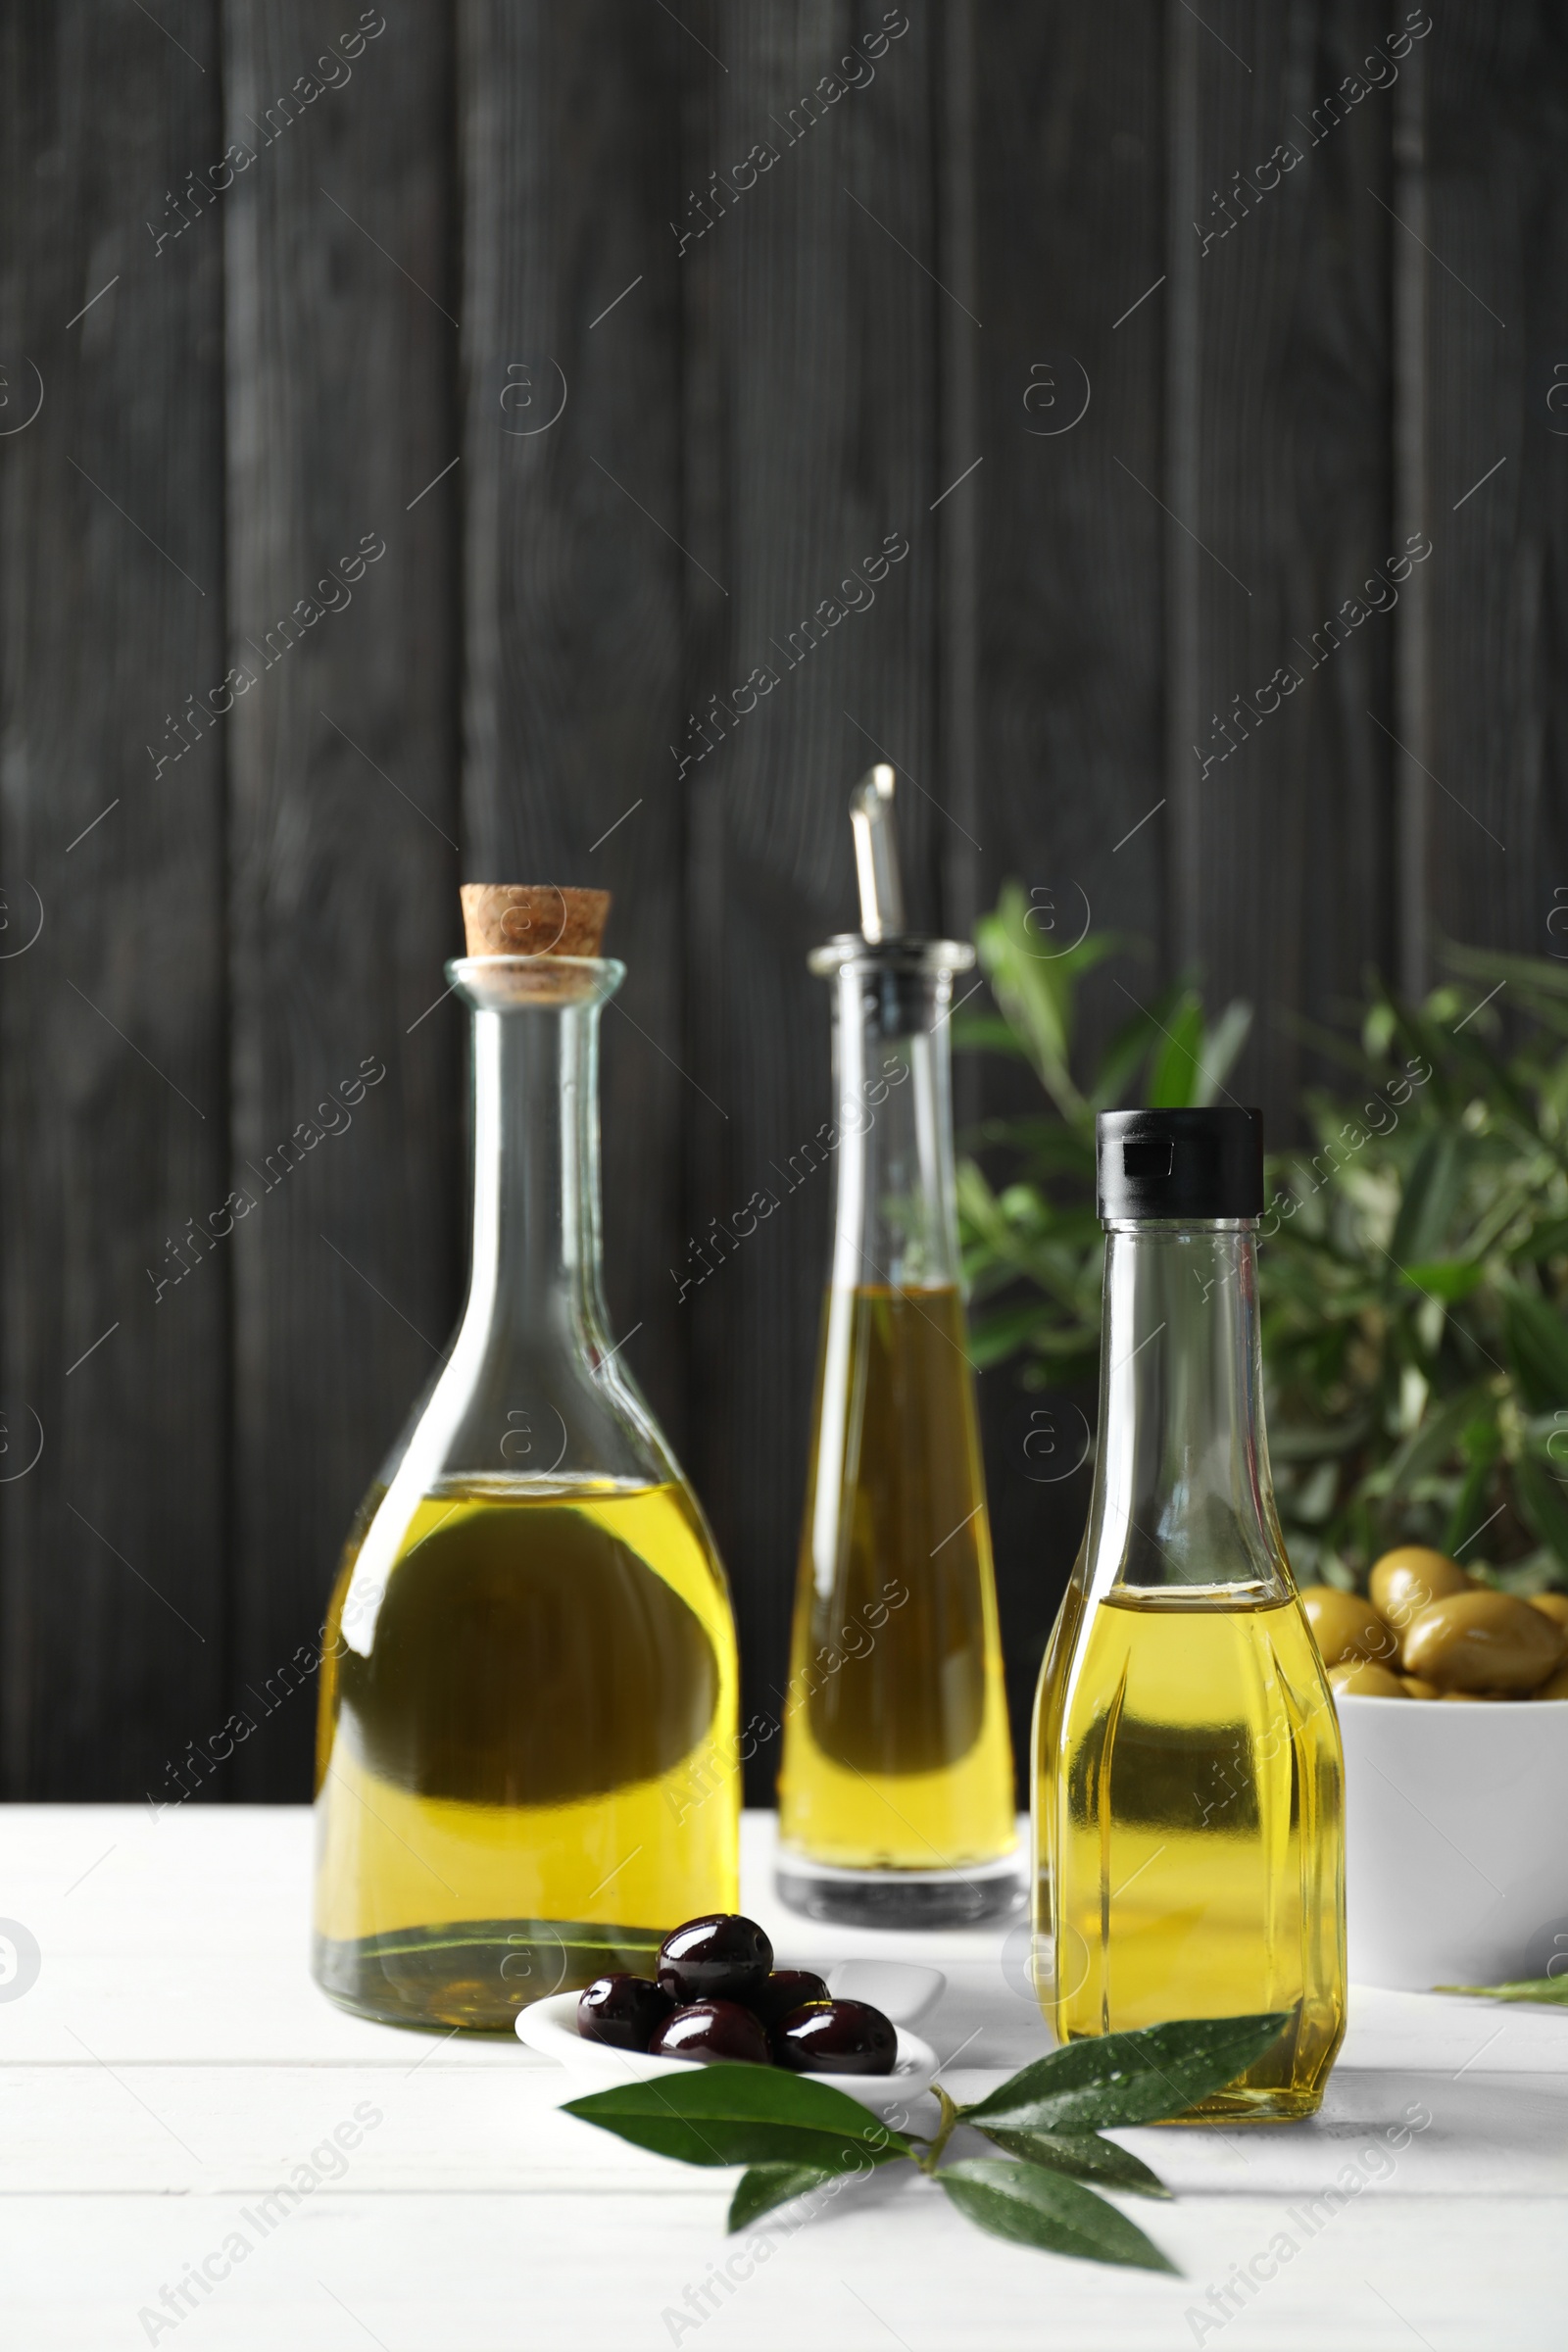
[{"x": 172, "y": 2064}]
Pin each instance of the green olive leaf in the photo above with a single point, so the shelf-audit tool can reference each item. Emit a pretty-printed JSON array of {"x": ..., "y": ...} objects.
[
  {"x": 1145, "y": 2077},
  {"x": 1432, "y": 1192},
  {"x": 742, "y": 2115},
  {"x": 1082, "y": 2155},
  {"x": 1446, "y": 1278},
  {"x": 1037, "y": 2208},
  {"x": 1542, "y": 1502},
  {"x": 1175, "y": 1067},
  {"x": 769, "y": 2185},
  {"x": 1551, "y": 1991},
  {"x": 1537, "y": 1346}
]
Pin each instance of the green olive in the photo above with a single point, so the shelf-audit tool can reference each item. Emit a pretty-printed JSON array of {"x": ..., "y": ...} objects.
[
  {"x": 1553, "y": 1606},
  {"x": 1410, "y": 1579},
  {"x": 1362, "y": 1678},
  {"x": 1415, "y": 1688},
  {"x": 1482, "y": 1642},
  {"x": 1346, "y": 1626},
  {"x": 1555, "y": 1686}
]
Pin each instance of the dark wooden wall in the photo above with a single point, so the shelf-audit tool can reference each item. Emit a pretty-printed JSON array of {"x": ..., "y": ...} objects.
[{"x": 362, "y": 339}]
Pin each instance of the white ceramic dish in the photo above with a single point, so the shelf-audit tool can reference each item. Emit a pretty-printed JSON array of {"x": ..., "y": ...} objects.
[
  {"x": 549, "y": 2027},
  {"x": 900, "y": 1989},
  {"x": 1456, "y": 1840}
]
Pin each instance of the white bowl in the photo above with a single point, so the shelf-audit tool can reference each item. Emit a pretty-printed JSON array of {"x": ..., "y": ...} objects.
[
  {"x": 1456, "y": 1839},
  {"x": 549, "y": 2027}
]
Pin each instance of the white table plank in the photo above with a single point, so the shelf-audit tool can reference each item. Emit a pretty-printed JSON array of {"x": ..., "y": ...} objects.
[
  {"x": 492, "y": 2272},
  {"x": 201, "y": 2130},
  {"x": 173, "y": 2067}
]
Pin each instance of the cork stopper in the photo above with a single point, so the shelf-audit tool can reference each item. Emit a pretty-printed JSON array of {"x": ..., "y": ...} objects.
[
  {"x": 537, "y": 920},
  {"x": 532, "y": 919}
]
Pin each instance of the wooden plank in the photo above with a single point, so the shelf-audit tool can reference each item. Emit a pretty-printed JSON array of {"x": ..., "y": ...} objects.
[
  {"x": 814, "y": 330},
  {"x": 572, "y": 588},
  {"x": 1497, "y": 344},
  {"x": 1070, "y": 239},
  {"x": 490, "y": 2120},
  {"x": 97, "y": 1879},
  {"x": 1281, "y": 498},
  {"x": 112, "y": 1593},
  {"x": 960, "y": 515},
  {"x": 1412, "y": 632},
  {"x": 428, "y": 2270},
  {"x": 342, "y": 358}
]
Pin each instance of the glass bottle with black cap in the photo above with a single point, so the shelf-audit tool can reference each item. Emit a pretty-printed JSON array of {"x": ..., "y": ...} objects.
[{"x": 1188, "y": 1802}]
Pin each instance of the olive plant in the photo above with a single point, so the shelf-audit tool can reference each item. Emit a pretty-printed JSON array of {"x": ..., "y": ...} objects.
[{"x": 1413, "y": 1268}]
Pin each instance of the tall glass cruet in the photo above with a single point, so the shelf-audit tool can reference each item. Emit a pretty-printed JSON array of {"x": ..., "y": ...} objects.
[
  {"x": 525, "y": 1761},
  {"x": 895, "y": 1784},
  {"x": 1187, "y": 1799}
]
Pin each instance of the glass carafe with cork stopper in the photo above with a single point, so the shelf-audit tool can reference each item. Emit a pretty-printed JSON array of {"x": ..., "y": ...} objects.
[
  {"x": 525, "y": 1757},
  {"x": 1188, "y": 1801},
  {"x": 896, "y": 1794}
]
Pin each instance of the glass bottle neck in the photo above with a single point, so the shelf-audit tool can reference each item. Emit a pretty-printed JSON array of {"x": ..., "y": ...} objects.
[
  {"x": 536, "y": 1266},
  {"x": 531, "y": 1389},
  {"x": 1182, "y": 1494},
  {"x": 895, "y": 1221}
]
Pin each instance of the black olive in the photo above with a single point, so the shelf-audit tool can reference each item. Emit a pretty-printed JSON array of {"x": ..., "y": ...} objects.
[
  {"x": 623, "y": 2011},
  {"x": 836, "y": 2037},
  {"x": 721, "y": 1958},
  {"x": 713, "y": 2032},
  {"x": 785, "y": 1989}
]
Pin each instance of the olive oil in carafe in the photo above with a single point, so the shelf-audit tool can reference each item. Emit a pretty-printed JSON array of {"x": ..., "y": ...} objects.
[
  {"x": 1190, "y": 1817},
  {"x": 514, "y": 1719},
  {"x": 897, "y": 1751}
]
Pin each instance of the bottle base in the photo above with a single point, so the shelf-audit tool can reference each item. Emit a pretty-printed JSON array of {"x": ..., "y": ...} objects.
[
  {"x": 474, "y": 1974},
  {"x": 900, "y": 1898},
  {"x": 1240, "y": 2102},
  {"x": 1231, "y": 2107}
]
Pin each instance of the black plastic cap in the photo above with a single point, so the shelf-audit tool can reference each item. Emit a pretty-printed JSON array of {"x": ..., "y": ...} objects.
[{"x": 1179, "y": 1163}]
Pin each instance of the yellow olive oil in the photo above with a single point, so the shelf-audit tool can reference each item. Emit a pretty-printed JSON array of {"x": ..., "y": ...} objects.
[
  {"x": 897, "y": 1754},
  {"x": 1188, "y": 1806},
  {"x": 511, "y": 1718}
]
